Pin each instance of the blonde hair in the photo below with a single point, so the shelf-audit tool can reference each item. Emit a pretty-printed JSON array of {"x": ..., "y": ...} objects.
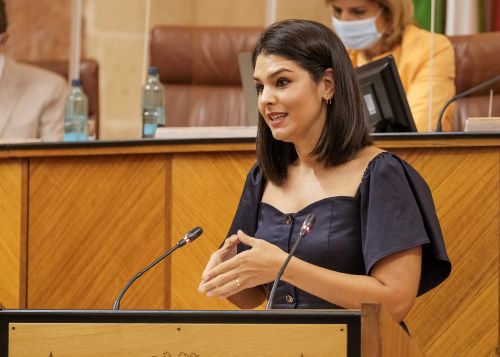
[{"x": 397, "y": 14}]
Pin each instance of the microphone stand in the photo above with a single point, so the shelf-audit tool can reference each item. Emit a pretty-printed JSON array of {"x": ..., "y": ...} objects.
[
  {"x": 188, "y": 238},
  {"x": 483, "y": 85},
  {"x": 307, "y": 226}
]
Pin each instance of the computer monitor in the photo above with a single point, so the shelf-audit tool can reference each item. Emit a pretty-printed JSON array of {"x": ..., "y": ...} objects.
[{"x": 384, "y": 97}]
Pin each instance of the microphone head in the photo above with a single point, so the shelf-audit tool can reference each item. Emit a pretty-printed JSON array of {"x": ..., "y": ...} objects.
[
  {"x": 193, "y": 234},
  {"x": 308, "y": 224}
]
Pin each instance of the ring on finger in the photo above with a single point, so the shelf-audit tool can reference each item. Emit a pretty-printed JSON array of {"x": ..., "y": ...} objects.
[{"x": 237, "y": 281}]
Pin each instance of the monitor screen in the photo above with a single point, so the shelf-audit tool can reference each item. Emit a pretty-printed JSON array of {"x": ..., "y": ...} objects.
[{"x": 385, "y": 100}]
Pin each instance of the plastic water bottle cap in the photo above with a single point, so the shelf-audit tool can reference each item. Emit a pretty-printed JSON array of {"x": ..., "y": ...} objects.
[
  {"x": 76, "y": 82},
  {"x": 153, "y": 71}
]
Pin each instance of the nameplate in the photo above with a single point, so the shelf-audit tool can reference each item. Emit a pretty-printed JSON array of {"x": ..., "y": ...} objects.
[
  {"x": 482, "y": 124},
  {"x": 170, "y": 339},
  {"x": 206, "y": 132},
  {"x": 19, "y": 140}
]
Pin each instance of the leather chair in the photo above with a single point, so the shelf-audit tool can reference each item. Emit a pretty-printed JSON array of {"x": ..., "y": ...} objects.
[
  {"x": 89, "y": 74},
  {"x": 199, "y": 68},
  {"x": 477, "y": 59}
]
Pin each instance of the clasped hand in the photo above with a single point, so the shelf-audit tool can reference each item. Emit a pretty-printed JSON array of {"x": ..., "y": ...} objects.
[{"x": 228, "y": 273}]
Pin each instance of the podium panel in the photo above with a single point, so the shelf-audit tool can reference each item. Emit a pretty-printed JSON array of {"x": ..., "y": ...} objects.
[
  {"x": 369, "y": 332},
  {"x": 179, "y": 333},
  {"x": 208, "y": 340},
  {"x": 78, "y": 220}
]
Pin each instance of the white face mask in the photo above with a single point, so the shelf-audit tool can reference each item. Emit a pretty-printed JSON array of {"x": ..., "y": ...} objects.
[{"x": 357, "y": 34}]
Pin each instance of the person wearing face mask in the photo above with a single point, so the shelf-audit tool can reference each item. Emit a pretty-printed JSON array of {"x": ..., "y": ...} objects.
[
  {"x": 372, "y": 29},
  {"x": 31, "y": 99}
]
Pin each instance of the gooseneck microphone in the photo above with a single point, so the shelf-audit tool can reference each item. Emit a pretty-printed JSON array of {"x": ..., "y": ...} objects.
[
  {"x": 188, "y": 238},
  {"x": 306, "y": 228},
  {"x": 480, "y": 86}
]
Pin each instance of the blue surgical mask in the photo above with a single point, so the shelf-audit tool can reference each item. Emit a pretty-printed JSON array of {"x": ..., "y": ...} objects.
[{"x": 357, "y": 34}]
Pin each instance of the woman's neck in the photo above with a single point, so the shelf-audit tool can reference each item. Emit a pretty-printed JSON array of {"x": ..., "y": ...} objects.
[
  {"x": 306, "y": 159},
  {"x": 374, "y": 51}
]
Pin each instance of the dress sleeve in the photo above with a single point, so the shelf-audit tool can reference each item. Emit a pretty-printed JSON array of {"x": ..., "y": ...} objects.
[
  {"x": 247, "y": 213},
  {"x": 398, "y": 213}
]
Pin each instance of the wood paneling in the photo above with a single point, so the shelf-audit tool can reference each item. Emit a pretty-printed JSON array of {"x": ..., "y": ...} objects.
[
  {"x": 206, "y": 192},
  {"x": 13, "y": 189},
  {"x": 94, "y": 223},
  {"x": 99, "y": 214},
  {"x": 382, "y": 336},
  {"x": 186, "y": 339},
  {"x": 465, "y": 185}
]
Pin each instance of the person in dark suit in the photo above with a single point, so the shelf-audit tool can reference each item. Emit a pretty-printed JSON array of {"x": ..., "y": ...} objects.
[
  {"x": 31, "y": 99},
  {"x": 376, "y": 238}
]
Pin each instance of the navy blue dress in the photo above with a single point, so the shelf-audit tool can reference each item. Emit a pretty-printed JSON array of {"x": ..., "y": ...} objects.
[{"x": 392, "y": 211}]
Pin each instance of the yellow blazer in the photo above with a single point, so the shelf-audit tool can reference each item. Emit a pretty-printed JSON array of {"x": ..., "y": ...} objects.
[
  {"x": 412, "y": 60},
  {"x": 31, "y": 102}
]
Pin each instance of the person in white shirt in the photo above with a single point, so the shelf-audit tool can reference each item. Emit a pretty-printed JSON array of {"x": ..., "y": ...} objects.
[{"x": 31, "y": 99}]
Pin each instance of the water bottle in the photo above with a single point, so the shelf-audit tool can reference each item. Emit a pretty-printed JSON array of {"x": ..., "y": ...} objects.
[
  {"x": 76, "y": 113},
  {"x": 153, "y": 109}
]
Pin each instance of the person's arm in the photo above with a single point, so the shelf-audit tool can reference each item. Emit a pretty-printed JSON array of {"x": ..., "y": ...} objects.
[
  {"x": 443, "y": 86},
  {"x": 393, "y": 281},
  {"x": 52, "y": 117}
]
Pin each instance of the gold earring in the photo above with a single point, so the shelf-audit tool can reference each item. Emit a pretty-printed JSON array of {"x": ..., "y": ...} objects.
[{"x": 329, "y": 101}]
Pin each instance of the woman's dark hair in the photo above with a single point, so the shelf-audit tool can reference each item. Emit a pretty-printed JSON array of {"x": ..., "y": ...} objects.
[
  {"x": 3, "y": 18},
  {"x": 315, "y": 48}
]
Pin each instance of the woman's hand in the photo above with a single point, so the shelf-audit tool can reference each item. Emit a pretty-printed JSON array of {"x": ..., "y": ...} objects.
[
  {"x": 227, "y": 251},
  {"x": 253, "y": 267}
]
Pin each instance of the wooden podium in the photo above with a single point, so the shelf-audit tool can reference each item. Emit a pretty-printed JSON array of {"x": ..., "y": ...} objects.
[
  {"x": 366, "y": 332},
  {"x": 77, "y": 221}
]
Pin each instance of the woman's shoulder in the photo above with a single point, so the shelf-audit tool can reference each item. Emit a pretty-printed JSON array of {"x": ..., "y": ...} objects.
[
  {"x": 367, "y": 156},
  {"x": 384, "y": 161},
  {"x": 254, "y": 179},
  {"x": 415, "y": 37},
  {"x": 388, "y": 169}
]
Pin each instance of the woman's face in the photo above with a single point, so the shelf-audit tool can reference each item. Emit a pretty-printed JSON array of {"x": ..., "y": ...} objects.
[
  {"x": 348, "y": 10},
  {"x": 290, "y": 102}
]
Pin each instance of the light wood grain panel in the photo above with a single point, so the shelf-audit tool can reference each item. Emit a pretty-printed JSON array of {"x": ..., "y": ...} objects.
[
  {"x": 206, "y": 192},
  {"x": 94, "y": 223},
  {"x": 460, "y": 317},
  {"x": 225, "y": 145},
  {"x": 155, "y": 339},
  {"x": 382, "y": 336},
  {"x": 13, "y": 191},
  {"x": 136, "y": 147},
  {"x": 464, "y": 308}
]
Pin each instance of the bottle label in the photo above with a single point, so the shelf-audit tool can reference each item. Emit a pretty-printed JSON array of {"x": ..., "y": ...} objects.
[
  {"x": 152, "y": 118},
  {"x": 75, "y": 128}
]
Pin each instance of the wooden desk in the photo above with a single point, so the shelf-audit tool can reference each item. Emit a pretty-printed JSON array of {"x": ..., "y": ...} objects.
[
  {"x": 366, "y": 332},
  {"x": 77, "y": 221}
]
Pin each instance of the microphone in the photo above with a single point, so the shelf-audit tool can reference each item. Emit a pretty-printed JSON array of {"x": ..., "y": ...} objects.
[
  {"x": 188, "y": 238},
  {"x": 480, "y": 86},
  {"x": 306, "y": 228}
]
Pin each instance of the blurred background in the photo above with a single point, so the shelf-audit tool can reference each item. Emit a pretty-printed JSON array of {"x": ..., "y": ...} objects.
[{"x": 113, "y": 33}]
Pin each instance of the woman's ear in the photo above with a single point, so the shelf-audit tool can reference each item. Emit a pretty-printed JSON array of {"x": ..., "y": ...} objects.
[
  {"x": 3, "y": 38},
  {"x": 328, "y": 84}
]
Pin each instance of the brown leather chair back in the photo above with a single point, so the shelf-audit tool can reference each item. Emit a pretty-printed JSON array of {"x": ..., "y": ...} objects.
[
  {"x": 477, "y": 59},
  {"x": 89, "y": 74},
  {"x": 199, "y": 68}
]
